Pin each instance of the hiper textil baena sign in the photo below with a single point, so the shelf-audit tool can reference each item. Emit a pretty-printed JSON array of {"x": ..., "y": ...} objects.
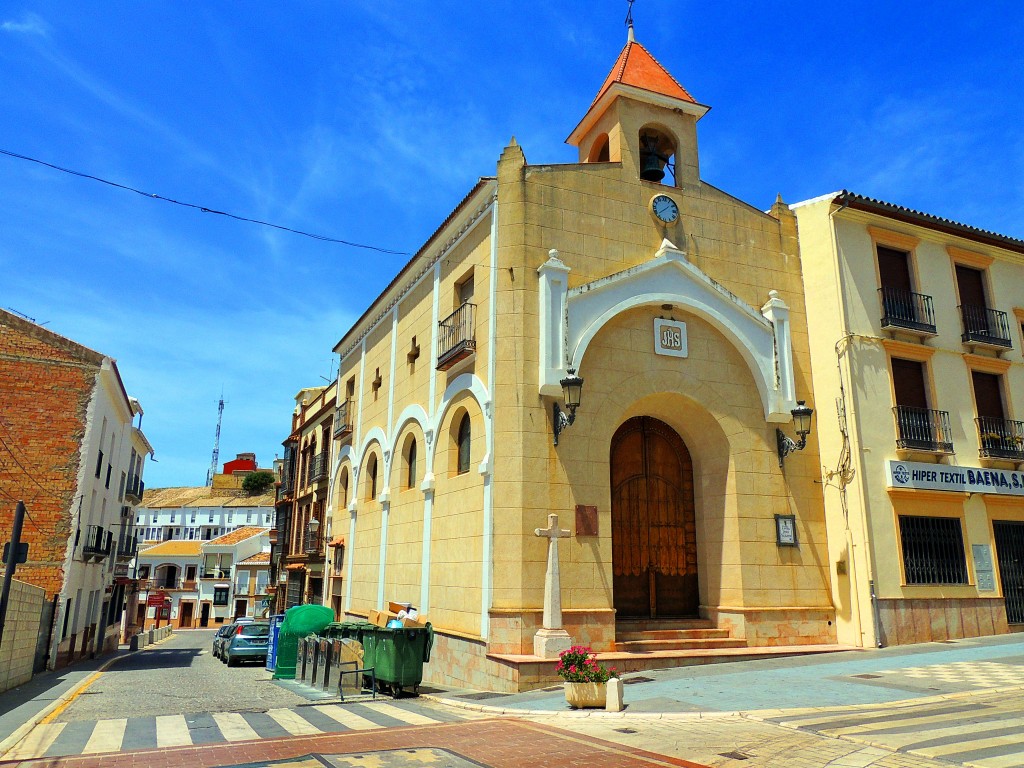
[{"x": 943, "y": 477}]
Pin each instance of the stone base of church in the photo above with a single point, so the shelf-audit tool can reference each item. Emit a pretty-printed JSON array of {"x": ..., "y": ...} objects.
[
  {"x": 512, "y": 631},
  {"x": 785, "y": 625}
]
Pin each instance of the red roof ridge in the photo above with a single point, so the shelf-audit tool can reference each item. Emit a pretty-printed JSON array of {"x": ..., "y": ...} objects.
[{"x": 643, "y": 71}]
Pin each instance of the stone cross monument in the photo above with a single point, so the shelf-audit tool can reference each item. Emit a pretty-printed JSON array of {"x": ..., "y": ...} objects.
[{"x": 551, "y": 638}]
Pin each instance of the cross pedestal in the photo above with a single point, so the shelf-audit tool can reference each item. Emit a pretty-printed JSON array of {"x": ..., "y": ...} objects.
[{"x": 551, "y": 639}]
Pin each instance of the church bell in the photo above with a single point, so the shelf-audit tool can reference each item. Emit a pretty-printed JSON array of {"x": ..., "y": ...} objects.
[{"x": 652, "y": 165}]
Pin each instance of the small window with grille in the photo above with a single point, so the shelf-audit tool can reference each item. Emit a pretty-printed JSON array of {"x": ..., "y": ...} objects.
[{"x": 933, "y": 550}]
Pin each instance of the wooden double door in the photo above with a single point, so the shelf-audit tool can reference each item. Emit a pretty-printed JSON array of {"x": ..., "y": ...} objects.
[{"x": 654, "y": 543}]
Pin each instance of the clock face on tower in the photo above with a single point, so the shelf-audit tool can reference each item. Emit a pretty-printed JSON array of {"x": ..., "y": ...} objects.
[{"x": 664, "y": 209}]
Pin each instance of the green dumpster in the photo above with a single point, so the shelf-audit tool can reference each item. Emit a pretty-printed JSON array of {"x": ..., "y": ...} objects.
[
  {"x": 398, "y": 656},
  {"x": 299, "y": 621}
]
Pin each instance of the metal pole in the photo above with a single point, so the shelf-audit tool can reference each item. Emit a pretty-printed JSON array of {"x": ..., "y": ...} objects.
[{"x": 12, "y": 562}]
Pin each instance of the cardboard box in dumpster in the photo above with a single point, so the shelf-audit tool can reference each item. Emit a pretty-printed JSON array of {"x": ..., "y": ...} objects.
[
  {"x": 381, "y": 618},
  {"x": 410, "y": 610}
]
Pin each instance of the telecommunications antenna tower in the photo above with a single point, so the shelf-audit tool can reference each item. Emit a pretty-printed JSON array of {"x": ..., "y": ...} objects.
[{"x": 216, "y": 443}]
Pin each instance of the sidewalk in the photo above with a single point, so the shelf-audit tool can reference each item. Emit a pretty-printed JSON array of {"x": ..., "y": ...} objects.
[
  {"x": 872, "y": 676},
  {"x": 24, "y": 706}
]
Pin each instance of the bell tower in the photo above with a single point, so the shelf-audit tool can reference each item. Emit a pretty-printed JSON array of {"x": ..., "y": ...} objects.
[{"x": 643, "y": 118}]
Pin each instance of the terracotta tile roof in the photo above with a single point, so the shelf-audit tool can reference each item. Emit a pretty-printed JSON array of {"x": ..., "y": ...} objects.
[
  {"x": 237, "y": 535},
  {"x": 263, "y": 558},
  {"x": 849, "y": 199},
  {"x": 174, "y": 548},
  {"x": 164, "y": 498},
  {"x": 636, "y": 67}
]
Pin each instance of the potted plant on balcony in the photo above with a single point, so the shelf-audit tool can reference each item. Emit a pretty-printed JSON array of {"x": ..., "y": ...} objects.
[{"x": 585, "y": 679}]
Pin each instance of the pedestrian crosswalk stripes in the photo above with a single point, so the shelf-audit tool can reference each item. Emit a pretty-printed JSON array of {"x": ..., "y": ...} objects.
[
  {"x": 107, "y": 736},
  {"x": 976, "y": 733},
  {"x": 118, "y": 734}
]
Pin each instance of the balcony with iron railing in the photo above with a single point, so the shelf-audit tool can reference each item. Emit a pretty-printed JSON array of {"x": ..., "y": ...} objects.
[
  {"x": 456, "y": 337},
  {"x": 134, "y": 489},
  {"x": 313, "y": 543},
  {"x": 907, "y": 311},
  {"x": 319, "y": 467},
  {"x": 127, "y": 547},
  {"x": 922, "y": 429},
  {"x": 985, "y": 327},
  {"x": 96, "y": 543},
  {"x": 343, "y": 419},
  {"x": 1000, "y": 438}
]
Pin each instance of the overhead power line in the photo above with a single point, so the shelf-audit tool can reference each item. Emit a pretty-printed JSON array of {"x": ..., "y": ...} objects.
[{"x": 203, "y": 208}]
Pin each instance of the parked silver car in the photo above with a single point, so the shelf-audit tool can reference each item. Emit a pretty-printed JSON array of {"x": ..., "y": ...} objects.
[{"x": 248, "y": 641}]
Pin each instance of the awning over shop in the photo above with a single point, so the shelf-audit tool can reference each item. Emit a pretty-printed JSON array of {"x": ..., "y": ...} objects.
[
  {"x": 294, "y": 567},
  {"x": 338, "y": 541}
]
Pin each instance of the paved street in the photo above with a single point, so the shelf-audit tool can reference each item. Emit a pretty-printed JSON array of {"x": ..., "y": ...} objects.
[
  {"x": 178, "y": 676},
  {"x": 934, "y": 705},
  {"x": 178, "y": 694}
]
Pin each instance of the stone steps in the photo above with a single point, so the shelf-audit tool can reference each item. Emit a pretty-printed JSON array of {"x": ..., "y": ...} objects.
[
  {"x": 679, "y": 644},
  {"x": 652, "y": 635}
]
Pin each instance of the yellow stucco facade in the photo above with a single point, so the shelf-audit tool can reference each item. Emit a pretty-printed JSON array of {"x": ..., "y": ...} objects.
[
  {"x": 923, "y": 501},
  {"x": 444, "y": 460}
]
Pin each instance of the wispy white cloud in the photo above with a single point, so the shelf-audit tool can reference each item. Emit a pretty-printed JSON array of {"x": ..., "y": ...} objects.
[{"x": 28, "y": 24}]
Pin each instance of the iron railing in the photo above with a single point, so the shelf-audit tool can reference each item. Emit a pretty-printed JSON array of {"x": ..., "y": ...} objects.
[
  {"x": 96, "y": 543},
  {"x": 342, "y": 419},
  {"x": 985, "y": 326},
  {"x": 907, "y": 310},
  {"x": 933, "y": 550},
  {"x": 1000, "y": 438},
  {"x": 320, "y": 466},
  {"x": 456, "y": 338},
  {"x": 313, "y": 543},
  {"x": 127, "y": 548},
  {"x": 134, "y": 489},
  {"x": 923, "y": 429}
]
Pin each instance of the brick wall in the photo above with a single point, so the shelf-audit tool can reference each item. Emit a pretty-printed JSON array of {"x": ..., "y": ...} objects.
[
  {"x": 21, "y": 631},
  {"x": 46, "y": 382}
]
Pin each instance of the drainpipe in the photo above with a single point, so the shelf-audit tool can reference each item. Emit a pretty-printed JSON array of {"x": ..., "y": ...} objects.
[{"x": 853, "y": 427}]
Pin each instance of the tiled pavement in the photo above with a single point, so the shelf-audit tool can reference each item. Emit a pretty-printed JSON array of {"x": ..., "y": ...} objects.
[
  {"x": 121, "y": 734},
  {"x": 984, "y": 730},
  {"x": 930, "y": 706},
  {"x": 485, "y": 743}
]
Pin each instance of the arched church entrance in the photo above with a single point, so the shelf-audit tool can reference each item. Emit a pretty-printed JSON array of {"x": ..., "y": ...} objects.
[{"x": 654, "y": 544}]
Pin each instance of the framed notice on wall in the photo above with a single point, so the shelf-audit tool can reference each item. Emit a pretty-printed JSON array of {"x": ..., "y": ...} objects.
[{"x": 785, "y": 530}]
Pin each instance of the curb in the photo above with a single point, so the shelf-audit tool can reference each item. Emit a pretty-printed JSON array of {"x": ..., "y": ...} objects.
[
  {"x": 754, "y": 714},
  {"x": 9, "y": 743}
]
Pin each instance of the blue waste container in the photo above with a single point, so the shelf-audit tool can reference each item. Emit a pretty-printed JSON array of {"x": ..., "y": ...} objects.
[{"x": 275, "y": 628}]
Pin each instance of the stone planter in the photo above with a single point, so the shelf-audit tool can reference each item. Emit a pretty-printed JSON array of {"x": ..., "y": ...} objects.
[{"x": 580, "y": 695}]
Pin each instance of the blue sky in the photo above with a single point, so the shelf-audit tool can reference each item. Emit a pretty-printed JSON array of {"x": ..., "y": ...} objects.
[{"x": 368, "y": 121}]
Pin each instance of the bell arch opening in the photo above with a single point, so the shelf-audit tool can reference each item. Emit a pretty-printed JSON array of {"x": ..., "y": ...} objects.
[{"x": 657, "y": 149}]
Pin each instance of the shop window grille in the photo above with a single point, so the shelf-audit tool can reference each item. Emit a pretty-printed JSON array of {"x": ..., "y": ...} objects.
[
  {"x": 933, "y": 550},
  {"x": 1009, "y": 537}
]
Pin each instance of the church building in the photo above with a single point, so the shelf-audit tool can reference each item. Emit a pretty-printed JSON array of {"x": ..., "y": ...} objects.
[{"x": 614, "y": 341}]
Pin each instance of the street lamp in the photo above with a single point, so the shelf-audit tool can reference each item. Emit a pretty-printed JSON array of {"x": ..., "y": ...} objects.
[
  {"x": 572, "y": 391},
  {"x": 802, "y": 422}
]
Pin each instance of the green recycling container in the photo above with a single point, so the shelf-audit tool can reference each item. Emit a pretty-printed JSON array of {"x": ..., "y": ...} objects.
[
  {"x": 398, "y": 655},
  {"x": 299, "y": 621}
]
